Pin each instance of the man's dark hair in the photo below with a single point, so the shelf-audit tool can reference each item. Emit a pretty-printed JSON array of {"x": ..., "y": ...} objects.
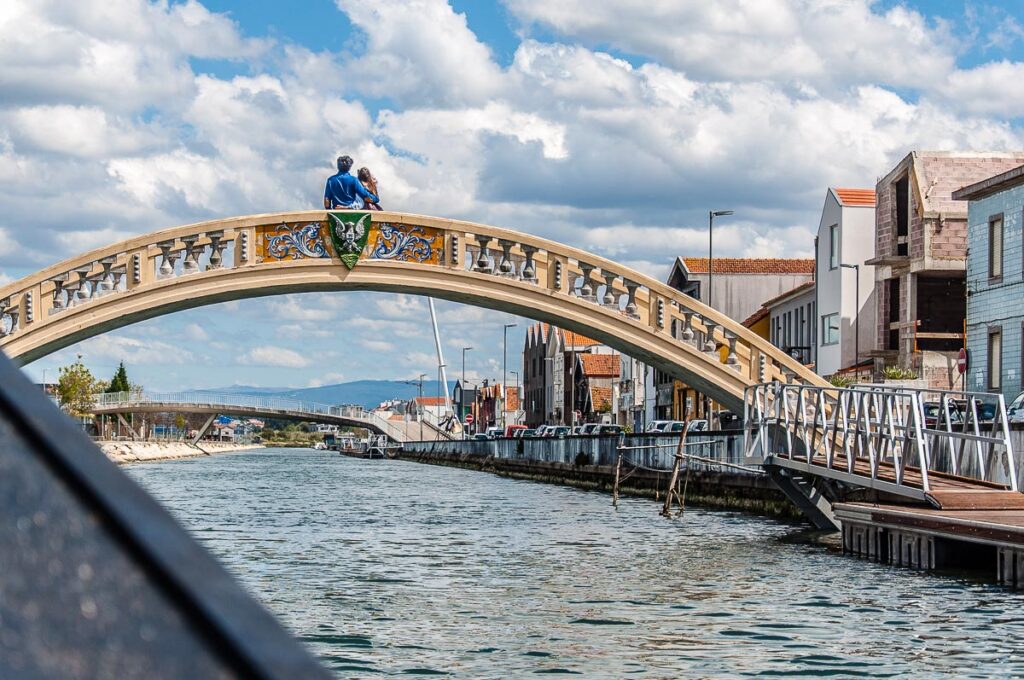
[{"x": 344, "y": 163}]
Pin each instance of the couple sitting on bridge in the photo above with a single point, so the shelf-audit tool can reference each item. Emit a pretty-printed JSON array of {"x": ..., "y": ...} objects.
[{"x": 345, "y": 192}]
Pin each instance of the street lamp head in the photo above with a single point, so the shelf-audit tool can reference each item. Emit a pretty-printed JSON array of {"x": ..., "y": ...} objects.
[
  {"x": 849, "y": 266},
  {"x": 510, "y": 325},
  {"x": 720, "y": 213}
]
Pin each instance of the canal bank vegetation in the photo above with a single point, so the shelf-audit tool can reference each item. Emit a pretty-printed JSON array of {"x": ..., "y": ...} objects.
[{"x": 296, "y": 435}]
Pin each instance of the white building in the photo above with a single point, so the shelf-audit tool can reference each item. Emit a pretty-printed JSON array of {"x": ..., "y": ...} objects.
[
  {"x": 791, "y": 322},
  {"x": 846, "y": 237}
]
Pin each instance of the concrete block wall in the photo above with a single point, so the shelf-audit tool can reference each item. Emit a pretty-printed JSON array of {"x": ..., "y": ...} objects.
[
  {"x": 999, "y": 302},
  {"x": 948, "y": 238}
]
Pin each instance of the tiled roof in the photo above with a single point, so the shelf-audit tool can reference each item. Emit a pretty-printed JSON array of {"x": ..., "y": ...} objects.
[
  {"x": 430, "y": 401},
  {"x": 751, "y": 265},
  {"x": 601, "y": 365},
  {"x": 756, "y": 316},
  {"x": 577, "y": 340},
  {"x": 855, "y": 197},
  {"x": 792, "y": 291},
  {"x": 601, "y": 399}
]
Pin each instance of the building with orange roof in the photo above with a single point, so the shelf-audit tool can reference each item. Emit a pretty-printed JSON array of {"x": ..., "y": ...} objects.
[
  {"x": 741, "y": 284},
  {"x": 845, "y": 282}
]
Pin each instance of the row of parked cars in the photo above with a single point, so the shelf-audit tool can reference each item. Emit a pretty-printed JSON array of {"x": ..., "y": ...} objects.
[{"x": 588, "y": 429}]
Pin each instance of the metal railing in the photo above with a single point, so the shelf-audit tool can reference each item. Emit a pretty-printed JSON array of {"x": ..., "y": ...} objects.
[
  {"x": 893, "y": 430},
  {"x": 248, "y": 402}
]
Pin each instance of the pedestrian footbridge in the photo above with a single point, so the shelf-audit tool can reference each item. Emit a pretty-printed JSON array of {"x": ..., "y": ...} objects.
[
  {"x": 295, "y": 252},
  {"x": 256, "y": 406}
]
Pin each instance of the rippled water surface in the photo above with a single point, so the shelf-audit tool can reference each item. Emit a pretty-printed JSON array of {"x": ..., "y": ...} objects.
[{"x": 391, "y": 567}]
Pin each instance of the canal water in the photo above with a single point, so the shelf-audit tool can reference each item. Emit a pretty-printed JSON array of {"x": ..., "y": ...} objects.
[{"x": 397, "y": 568}]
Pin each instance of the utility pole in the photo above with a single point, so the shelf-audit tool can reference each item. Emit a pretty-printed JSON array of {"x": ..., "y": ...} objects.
[{"x": 419, "y": 383}]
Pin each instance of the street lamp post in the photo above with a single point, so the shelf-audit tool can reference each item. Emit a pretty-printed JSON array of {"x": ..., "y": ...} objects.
[
  {"x": 856, "y": 312},
  {"x": 504, "y": 366},
  {"x": 712, "y": 214}
]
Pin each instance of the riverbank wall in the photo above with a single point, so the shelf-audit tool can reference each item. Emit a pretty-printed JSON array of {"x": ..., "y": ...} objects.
[
  {"x": 124, "y": 452},
  {"x": 713, "y": 474}
]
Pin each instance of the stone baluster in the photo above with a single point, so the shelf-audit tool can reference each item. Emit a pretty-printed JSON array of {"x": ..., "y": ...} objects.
[
  {"x": 167, "y": 259},
  {"x": 83, "y": 284},
  {"x": 5, "y": 305},
  {"x": 58, "y": 291},
  {"x": 732, "y": 361},
  {"x": 483, "y": 260},
  {"x": 106, "y": 281},
  {"x": 217, "y": 247},
  {"x": 71, "y": 287},
  {"x": 688, "y": 334},
  {"x": 190, "y": 265},
  {"x": 631, "y": 309},
  {"x": 95, "y": 283},
  {"x": 117, "y": 275},
  {"x": 529, "y": 268},
  {"x": 586, "y": 291},
  {"x": 609, "y": 299},
  {"x": 709, "y": 339},
  {"x": 505, "y": 267}
]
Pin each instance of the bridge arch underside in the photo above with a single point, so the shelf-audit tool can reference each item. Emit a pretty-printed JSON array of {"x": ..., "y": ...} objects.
[
  {"x": 701, "y": 370},
  {"x": 237, "y": 411}
]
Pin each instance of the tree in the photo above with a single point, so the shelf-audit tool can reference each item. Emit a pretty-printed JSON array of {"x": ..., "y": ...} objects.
[
  {"x": 119, "y": 383},
  {"x": 76, "y": 388},
  {"x": 179, "y": 422}
]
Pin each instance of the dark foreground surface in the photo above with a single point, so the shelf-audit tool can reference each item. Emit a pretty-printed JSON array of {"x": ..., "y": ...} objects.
[{"x": 391, "y": 567}]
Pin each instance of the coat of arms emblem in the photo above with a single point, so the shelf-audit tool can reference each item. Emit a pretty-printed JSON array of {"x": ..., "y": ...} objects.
[{"x": 349, "y": 232}]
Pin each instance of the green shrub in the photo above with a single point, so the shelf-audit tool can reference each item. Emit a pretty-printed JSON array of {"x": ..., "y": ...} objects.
[
  {"x": 841, "y": 380},
  {"x": 898, "y": 373}
]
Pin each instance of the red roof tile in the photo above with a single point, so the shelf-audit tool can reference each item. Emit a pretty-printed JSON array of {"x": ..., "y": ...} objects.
[
  {"x": 601, "y": 365},
  {"x": 792, "y": 291},
  {"x": 430, "y": 401},
  {"x": 756, "y": 316},
  {"x": 577, "y": 340},
  {"x": 751, "y": 265},
  {"x": 855, "y": 197}
]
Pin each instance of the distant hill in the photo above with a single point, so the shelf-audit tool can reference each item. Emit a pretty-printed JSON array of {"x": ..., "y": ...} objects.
[{"x": 366, "y": 393}]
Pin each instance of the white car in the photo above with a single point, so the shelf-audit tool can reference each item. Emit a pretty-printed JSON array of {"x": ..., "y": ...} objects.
[{"x": 1015, "y": 411}]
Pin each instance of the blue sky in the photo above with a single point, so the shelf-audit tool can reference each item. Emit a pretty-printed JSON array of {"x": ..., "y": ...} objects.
[{"x": 613, "y": 127}]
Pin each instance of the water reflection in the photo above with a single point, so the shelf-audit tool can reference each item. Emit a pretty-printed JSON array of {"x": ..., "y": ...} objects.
[{"x": 389, "y": 567}]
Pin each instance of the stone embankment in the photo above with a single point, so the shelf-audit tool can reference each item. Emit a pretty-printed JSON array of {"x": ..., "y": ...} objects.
[{"x": 142, "y": 452}]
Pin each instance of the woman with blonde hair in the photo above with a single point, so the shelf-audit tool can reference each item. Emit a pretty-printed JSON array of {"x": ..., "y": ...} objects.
[{"x": 369, "y": 182}]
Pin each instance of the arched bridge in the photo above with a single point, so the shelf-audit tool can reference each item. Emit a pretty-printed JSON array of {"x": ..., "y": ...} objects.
[
  {"x": 295, "y": 252},
  {"x": 256, "y": 406}
]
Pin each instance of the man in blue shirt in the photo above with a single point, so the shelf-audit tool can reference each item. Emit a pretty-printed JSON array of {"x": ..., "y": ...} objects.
[{"x": 343, "y": 191}]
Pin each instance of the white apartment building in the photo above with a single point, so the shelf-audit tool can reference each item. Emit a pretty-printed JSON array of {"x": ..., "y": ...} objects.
[{"x": 845, "y": 240}]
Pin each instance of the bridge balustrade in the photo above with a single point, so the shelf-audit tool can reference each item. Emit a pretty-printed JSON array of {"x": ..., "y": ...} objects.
[{"x": 477, "y": 264}]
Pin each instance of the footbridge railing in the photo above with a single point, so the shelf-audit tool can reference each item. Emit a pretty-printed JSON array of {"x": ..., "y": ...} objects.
[
  {"x": 241, "y": 404},
  {"x": 911, "y": 442},
  {"x": 511, "y": 271}
]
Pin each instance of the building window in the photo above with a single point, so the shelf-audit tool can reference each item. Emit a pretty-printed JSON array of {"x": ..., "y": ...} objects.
[
  {"x": 833, "y": 246},
  {"x": 830, "y": 329},
  {"x": 995, "y": 247},
  {"x": 995, "y": 358}
]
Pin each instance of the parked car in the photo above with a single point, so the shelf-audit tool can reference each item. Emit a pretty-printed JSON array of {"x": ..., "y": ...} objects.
[
  {"x": 542, "y": 430},
  {"x": 510, "y": 430},
  {"x": 589, "y": 428},
  {"x": 528, "y": 432},
  {"x": 480, "y": 436},
  {"x": 933, "y": 414},
  {"x": 557, "y": 431},
  {"x": 493, "y": 432},
  {"x": 577, "y": 429},
  {"x": 658, "y": 425},
  {"x": 698, "y": 425},
  {"x": 607, "y": 430},
  {"x": 1015, "y": 411}
]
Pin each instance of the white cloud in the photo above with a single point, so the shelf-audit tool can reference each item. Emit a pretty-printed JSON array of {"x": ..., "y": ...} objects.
[
  {"x": 8, "y": 246},
  {"x": 196, "y": 333},
  {"x": 133, "y": 351},
  {"x": 269, "y": 355}
]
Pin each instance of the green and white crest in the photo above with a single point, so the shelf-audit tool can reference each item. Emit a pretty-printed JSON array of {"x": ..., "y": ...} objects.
[{"x": 349, "y": 232}]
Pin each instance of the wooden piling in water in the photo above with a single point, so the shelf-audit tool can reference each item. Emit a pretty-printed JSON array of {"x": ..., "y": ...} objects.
[
  {"x": 618, "y": 473},
  {"x": 666, "y": 511}
]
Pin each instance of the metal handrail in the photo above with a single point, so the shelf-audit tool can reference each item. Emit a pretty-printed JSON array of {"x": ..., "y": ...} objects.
[{"x": 836, "y": 427}]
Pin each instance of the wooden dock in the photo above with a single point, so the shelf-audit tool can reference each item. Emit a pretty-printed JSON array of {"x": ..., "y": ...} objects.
[{"x": 935, "y": 538}]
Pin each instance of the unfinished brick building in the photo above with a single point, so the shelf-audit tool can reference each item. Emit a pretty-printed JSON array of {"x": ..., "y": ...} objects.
[{"x": 920, "y": 259}]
